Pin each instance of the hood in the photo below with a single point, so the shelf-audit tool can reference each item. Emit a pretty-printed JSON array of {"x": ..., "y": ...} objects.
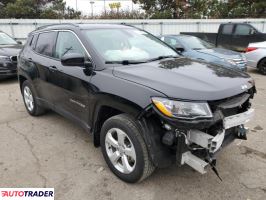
[
  {"x": 10, "y": 50},
  {"x": 183, "y": 78},
  {"x": 220, "y": 53}
]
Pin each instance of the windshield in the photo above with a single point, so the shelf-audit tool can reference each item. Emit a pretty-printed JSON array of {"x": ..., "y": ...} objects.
[
  {"x": 195, "y": 43},
  {"x": 6, "y": 39},
  {"x": 117, "y": 45}
]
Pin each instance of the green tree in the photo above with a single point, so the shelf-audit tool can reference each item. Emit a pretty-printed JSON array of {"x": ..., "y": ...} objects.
[
  {"x": 50, "y": 9},
  {"x": 21, "y": 9}
]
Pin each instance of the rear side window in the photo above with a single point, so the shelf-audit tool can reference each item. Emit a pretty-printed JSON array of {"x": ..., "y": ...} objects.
[
  {"x": 45, "y": 43},
  {"x": 67, "y": 42},
  {"x": 33, "y": 41},
  {"x": 227, "y": 29}
]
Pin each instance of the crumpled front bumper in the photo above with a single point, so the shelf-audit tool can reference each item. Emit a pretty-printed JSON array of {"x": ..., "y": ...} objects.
[{"x": 213, "y": 144}]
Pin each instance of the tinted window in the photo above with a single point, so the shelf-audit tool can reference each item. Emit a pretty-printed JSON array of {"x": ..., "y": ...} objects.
[
  {"x": 45, "y": 43},
  {"x": 33, "y": 41},
  {"x": 227, "y": 29},
  {"x": 243, "y": 30},
  {"x": 67, "y": 42}
]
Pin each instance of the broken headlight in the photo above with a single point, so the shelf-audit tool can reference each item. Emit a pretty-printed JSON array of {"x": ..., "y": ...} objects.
[{"x": 182, "y": 109}]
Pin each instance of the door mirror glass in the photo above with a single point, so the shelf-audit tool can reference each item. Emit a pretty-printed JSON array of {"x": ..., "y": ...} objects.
[{"x": 73, "y": 59}]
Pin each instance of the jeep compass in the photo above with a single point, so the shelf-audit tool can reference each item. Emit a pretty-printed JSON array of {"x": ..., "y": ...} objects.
[{"x": 146, "y": 106}]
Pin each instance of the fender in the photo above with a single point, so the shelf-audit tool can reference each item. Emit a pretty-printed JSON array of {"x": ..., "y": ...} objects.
[
  {"x": 107, "y": 106},
  {"x": 151, "y": 131}
]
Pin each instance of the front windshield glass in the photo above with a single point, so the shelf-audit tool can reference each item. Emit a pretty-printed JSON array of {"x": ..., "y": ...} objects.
[
  {"x": 6, "y": 39},
  {"x": 195, "y": 43},
  {"x": 127, "y": 45}
]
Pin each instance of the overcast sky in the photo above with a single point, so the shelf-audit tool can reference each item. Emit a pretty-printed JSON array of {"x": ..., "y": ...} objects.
[{"x": 85, "y": 7}]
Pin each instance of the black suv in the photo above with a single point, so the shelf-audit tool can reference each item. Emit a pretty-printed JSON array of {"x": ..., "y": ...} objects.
[{"x": 145, "y": 105}]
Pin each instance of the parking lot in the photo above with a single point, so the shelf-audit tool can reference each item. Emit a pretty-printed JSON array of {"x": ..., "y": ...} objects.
[{"x": 50, "y": 151}]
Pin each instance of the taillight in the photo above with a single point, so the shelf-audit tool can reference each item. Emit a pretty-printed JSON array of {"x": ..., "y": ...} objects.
[{"x": 248, "y": 49}]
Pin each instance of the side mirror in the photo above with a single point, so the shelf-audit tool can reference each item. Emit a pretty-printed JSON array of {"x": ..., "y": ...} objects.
[
  {"x": 73, "y": 59},
  {"x": 253, "y": 32},
  {"x": 19, "y": 42},
  {"x": 180, "y": 49}
]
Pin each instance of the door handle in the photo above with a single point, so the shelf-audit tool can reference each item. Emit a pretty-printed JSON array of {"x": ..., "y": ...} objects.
[
  {"x": 30, "y": 60},
  {"x": 52, "y": 68}
]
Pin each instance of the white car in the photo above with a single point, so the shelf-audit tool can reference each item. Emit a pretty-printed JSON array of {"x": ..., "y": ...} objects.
[{"x": 256, "y": 56}]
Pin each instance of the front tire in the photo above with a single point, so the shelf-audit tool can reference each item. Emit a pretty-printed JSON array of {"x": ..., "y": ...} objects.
[
  {"x": 29, "y": 98},
  {"x": 262, "y": 66},
  {"x": 124, "y": 149}
]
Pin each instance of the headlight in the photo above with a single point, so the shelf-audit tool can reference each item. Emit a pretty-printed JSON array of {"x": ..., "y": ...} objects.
[
  {"x": 232, "y": 62},
  {"x": 182, "y": 109}
]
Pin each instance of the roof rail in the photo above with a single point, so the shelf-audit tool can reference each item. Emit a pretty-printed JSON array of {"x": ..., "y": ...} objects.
[{"x": 44, "y": 26}]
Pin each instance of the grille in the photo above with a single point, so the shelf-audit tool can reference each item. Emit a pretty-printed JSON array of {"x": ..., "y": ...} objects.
[
  {"x": 233, "y": 105},
  {"x": 240, "y": 61}
]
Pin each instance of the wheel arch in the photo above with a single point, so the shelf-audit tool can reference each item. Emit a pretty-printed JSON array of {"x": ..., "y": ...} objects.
[
  {"x": 109, "y": 108},
  {"x": 21, "y": 80},
  {"x": 260, "y": 61}
]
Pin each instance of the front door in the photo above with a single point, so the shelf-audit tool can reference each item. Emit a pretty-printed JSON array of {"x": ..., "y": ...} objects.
[
  {"x": 242, "y": 36},
  {"x": 72, "y": 82}
]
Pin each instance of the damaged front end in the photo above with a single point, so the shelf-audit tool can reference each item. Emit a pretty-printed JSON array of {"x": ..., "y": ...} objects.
[{"x": 196, "y": 142}]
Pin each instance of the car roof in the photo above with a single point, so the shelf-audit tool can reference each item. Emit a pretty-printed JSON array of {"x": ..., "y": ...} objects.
[{"x": 80, "y": 26}]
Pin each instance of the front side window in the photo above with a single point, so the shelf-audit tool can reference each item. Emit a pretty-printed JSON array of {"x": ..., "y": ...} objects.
[
  {"x": 45, "y": 43},
  {"x": 173, "y": 42},
  {"x": 6, "y": 39},
  {"x": 243, "y": 30},
  {"x": 127, "y": 44},
  {"x": 67, "y": 42}
]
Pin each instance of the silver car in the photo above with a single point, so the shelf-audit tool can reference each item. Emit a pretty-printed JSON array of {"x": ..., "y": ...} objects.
[{"x": 256, "y": 56}]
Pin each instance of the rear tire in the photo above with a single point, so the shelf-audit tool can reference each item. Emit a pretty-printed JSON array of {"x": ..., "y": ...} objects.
[
  {"x": 29, "y": 98},
  {"x": 128, "y": 157},
  {"x": 262, "y": 66}
]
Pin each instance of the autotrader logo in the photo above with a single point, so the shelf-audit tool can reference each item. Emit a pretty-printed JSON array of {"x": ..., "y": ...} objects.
[{"x": 26, "y": 193}]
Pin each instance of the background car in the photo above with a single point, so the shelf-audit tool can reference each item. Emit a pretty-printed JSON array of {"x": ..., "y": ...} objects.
[
  {"x": 195, "y": 48},
  {"x": 234, "y": 36},
  {"x": 9, "y": 49},
  {"x": 256, "y": 56}
]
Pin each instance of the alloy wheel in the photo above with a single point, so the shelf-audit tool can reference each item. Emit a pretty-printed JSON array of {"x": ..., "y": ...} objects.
[
  {"x": 120, "y": 150},
  {"x": 28, "y": 98}
]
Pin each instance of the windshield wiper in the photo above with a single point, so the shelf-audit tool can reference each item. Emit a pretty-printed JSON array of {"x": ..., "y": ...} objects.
[
  {"x": 162, "y": 57},
  {"x": 125, "y": 62}
]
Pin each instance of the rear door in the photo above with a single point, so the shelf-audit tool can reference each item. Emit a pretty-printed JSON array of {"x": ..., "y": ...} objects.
[
  {"x": 224, "y": 37},
  {"x": 43, "y": 61}
]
